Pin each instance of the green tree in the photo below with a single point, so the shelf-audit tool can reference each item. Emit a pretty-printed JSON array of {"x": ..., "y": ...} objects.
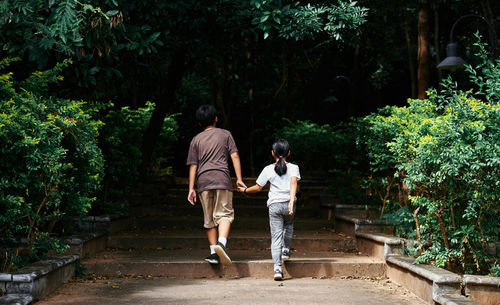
[{"x": 51, "y": 163}]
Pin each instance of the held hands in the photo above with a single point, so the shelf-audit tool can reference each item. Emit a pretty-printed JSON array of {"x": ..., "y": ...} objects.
[
  {"x": 191, "y": 197},
  {"x": 240, "y": 185}
]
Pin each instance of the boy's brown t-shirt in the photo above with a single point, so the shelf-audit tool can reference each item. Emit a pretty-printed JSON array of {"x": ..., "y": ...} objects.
[{"x": 210, "y": 150}]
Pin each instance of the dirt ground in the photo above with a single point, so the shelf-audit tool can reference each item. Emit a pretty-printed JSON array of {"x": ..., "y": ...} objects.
[{"x": 161, "y": 290}]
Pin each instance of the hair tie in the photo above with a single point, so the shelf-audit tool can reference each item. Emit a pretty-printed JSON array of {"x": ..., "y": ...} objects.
[{"x": 280, "y": 157}]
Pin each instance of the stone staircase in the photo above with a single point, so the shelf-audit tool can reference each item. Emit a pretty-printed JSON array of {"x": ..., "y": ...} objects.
[{"x": 165, "y": 238}]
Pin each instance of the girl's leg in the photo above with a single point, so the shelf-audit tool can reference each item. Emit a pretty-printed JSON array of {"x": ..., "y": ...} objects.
[
  {"x": 288, "y": 233},
  {"x": 276, "y": 226},
  {"x": 288, "y": 229}
]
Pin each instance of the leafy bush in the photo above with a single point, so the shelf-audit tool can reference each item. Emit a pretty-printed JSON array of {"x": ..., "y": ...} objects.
[
  {"x": 51, "y": 163},
  {"x": 121, "y": 142},
  {"x": 316, "y": 147},
  {"x": 495, "y": 270},
  {"x": 294, "y": 21},
  {"x": 445, "y": 150},
  {"x": 335, "y": 151}
]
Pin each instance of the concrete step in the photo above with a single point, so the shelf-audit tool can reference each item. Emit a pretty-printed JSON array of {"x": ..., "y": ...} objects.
[
  {"x": 248, "y": 222},
  {"x": 148, "y": 200},
  {"x": 314, "y": 241},
  {"x": 191, "y": 264},
  {"x": 187, "y": 209},
  {"x": 181, "y": 196},
  {"x": 159, "y": 191},
  {"x": 249, "y": 181}
]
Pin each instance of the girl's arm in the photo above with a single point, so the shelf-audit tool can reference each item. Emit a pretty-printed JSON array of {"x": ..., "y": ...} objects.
[
  {"x": 293, "y": 191},
  {"x": 250, "y": 190}
]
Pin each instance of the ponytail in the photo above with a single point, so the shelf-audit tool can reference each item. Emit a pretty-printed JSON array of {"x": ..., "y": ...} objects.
[{"x": 281, "y": 149}]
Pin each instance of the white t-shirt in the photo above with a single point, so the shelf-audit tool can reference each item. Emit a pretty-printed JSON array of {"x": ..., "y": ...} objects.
[{"x": 280, "y": 186}]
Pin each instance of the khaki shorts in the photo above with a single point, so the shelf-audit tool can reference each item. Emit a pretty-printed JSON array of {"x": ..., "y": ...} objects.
[{"x": 217, "y": 205}]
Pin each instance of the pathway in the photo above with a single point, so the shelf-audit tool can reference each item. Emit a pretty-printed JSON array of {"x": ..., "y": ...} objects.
[
  {"x": 303, "y": 291},
  {"x": 159, "y": 258}
]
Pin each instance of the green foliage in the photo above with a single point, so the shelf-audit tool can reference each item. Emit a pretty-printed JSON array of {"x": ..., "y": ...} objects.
[
  {"x": 51, "y": 164},
  {"x": 495, "y": 270},
  {"x": 42, "y": 26},
  {"x": 290, "y": 20},
  {"x": 310, "y": 143},
  {"x": 43, "y": 247},
  {"x": 80, "y": 269},
  {"x": 121, "y": 142},
  {"x": 446, "y": 151},
  {"x": 336, "y": 148},
  {"x": 403, "y": 221}
]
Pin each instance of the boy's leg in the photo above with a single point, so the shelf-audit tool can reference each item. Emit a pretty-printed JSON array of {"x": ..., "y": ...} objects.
[
  {"x": 223, "y": 212},
  {"x": 211, "y": 235},
  {"x": 223, "y": 216},
  {"x": 224, "y": 228},
  {"x": 207, "y": 203},
  {"x": 276, "y": 227}
]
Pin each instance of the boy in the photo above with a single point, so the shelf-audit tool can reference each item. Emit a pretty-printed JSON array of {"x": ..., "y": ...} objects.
[{"x": 209, "y": 166}]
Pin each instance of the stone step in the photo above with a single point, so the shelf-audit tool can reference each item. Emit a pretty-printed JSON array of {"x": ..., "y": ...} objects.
[
  {"x": 181, "y": 196},
  {"x": 160, "y": 193},
  {"x": 187, "y": 209},
  {"x": 145, "y": 200},
  {"x": 190, "y": 264},
  {"x": 314, "y": 241},
  {"x": 249, "y": 181},
  {"x": 248, "y": 222}
]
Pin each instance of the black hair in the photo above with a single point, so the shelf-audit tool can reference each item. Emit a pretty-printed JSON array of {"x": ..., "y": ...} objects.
[
  {"x": 205, "y": 115},
  {"x": 281, "y": 150}
]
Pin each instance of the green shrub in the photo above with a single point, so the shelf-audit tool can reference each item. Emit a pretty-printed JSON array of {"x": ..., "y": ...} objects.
[
  {"x": 121, "y": 142},
  {"x": 445, "y": 150},
  {"x": 310, "y": 143},
  {"x": 334, "y": 152},
  {"x": 324, "y": 147},
  {"x": 51, "y": 163}
]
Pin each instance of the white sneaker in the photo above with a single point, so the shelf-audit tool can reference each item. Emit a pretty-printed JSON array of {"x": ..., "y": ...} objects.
[
  {"x": 285, "y": 255},
  {"x": 278, "y": 275}
]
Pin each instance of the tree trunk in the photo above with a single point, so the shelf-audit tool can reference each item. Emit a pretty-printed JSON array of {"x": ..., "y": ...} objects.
[
  {"x": 411, "y": 64},
  {"x": 251, "y": 76},
  {"x": 355, "y": 79},
  {"x": 488, "y": 14},
  {"x": 252, "y": 128},
  {"x": 293, "y": 79},
  {"x": 423, "y": 70},
  {"x": 436, "y": 45},
  {"x": 150, "y": 137},
  {"x": 222, "y": 91}
]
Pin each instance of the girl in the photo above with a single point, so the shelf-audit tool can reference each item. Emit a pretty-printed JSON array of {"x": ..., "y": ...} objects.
[{"x": 283, "y": 177}]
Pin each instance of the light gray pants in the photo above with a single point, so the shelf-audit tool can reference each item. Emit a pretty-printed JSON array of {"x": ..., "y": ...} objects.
[{"x": 281, "y": 224}]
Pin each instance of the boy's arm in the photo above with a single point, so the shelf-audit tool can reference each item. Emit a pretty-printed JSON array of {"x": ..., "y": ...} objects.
[
  {"x": 235, "y": 157},
  {"x": 192, "y": 175},
  {"x": 293, "y": 192}
]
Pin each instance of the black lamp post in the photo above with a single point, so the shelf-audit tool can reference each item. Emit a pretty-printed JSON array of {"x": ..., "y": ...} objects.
[{"x": 452, "y": 60}]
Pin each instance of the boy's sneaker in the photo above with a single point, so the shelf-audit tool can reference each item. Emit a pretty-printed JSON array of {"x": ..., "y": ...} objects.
[
  {"x": 212, "y": 259},
  {"x": 224, "y": 257},
  {"x": 285, "y": 255},
  {"x": 278, "y": 275}
]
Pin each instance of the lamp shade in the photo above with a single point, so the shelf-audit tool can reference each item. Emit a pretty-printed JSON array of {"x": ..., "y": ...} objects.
[{"x": 452, "y": 60}]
